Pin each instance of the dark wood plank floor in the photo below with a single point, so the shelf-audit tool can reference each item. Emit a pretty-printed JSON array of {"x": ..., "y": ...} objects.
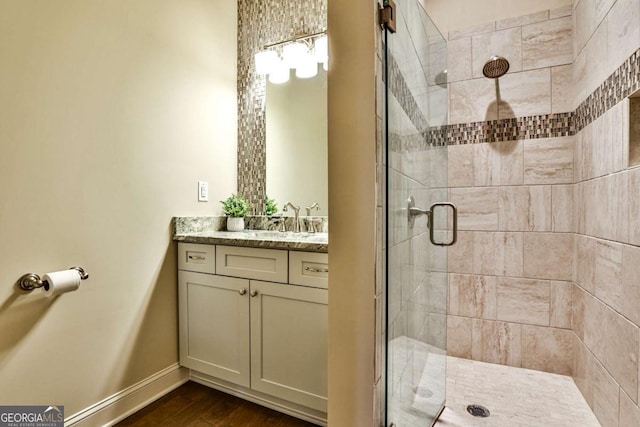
[{"x": 195, "y": 405}]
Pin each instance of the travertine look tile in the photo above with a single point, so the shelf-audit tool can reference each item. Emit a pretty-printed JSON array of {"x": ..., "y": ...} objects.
[
  {"x": 560, "y": 305},
  {"x": 484, "y": 253},
  {"x": 525, "y": 208},
  {"x": 460, "y": 255},
  {"x": 523, "y": 300},
  {"x": 506, "y": 43},
  {"x": 631, "y": 127},
  {"x": 597, "y": 70},
  {"x": 585, "y": 270},
  {"x": 459, "y": 65},
  {"x": 472, "y": 31},
  {"x": 623, "y": 38},
  {"x": 548, "y": 161},
  {"x": 561, "y": 83},
  {"x": 634, "y": 206},
  {"x": 583, "y": 368},
  {"x": 629, "y": 412},
  {"x": 547, "y": 44},
  {"x": 519, "y": 21},
  {"x": 562, "y": 208},
  {"x": 477, "y": 208},
  {"x": 547, "y": 349},
  {"x": 585, "y": 13},
  {"x": 602, "y": 8},
  {"x": 472, "y": 296},
  {"x": 605, "y": 397},
  {"x": 511, "y": 158},
  {"x": 608, "y": 275},
  {"x": 560, "y": 12},
  {"x": 548, "y": 256},
  {"x": 614, "y": 341},
  {"x": 508, "y": 255},
  {"x": 472, "y": 101},
  {"x": 497, "y": 342},
  {"x": 459, "y": 336},
  {"x": 525, "y": 93},
  {"x": 631, "y": 283},
  {"x": 578, "y": 297},
  {"x": 486, "y": 165}
]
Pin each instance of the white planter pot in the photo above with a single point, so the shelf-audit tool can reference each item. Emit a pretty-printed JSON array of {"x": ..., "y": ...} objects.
[{"x": 235, "y": 224}]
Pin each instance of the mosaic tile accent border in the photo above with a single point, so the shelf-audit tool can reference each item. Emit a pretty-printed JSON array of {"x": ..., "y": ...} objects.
[
  {"x": 260, "y": 23},
  {"x": 619, "y": 85}
]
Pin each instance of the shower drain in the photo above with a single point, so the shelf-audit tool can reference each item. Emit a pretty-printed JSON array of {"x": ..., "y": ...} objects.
[{"x": 478, "y": 411}]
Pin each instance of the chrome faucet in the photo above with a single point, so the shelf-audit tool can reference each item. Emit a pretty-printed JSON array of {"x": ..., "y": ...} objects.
[
  {"x": 315, "y": 206},
  {"x": 296, "y": 210}
]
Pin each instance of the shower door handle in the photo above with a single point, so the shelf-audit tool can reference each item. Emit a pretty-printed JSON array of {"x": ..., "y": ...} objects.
[
  {"x": 413, "y": 213},
  {"x": 432, "y": 227}
]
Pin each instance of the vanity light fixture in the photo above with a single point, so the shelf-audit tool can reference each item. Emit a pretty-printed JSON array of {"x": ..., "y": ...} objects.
[{"x": 302, "y": 53}]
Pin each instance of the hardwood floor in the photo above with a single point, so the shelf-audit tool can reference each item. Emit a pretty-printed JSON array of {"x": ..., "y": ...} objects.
[{"x": 195, "y": 405}]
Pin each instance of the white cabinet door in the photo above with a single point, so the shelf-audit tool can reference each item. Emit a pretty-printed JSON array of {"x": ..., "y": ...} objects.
[
  {"x": 214, "y": 325},
  {"x": 289, "y": 343}
]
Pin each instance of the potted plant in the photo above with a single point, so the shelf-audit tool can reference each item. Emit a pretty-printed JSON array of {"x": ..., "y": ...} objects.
[
  {"x": 270, "y": 206},
  {"x": 236, "y": 208}
]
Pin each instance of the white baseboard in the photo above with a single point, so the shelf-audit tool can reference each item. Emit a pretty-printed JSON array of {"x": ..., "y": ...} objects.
[{"x": 120, "y": 405}]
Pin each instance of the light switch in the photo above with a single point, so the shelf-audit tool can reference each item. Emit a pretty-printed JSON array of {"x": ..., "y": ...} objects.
[{"x": 203, "y": 191}]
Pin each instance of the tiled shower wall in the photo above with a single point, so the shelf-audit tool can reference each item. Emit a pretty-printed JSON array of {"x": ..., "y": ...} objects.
[
  {"x": 262, "y": 23},
  {"x": 511, "y": 176},
  {"x": 606, "y": 292}
]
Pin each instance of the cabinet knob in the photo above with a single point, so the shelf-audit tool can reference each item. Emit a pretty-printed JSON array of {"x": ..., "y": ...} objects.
[
  {"x": 254, "y": 293},
  {"x": 242, "y": 291}
]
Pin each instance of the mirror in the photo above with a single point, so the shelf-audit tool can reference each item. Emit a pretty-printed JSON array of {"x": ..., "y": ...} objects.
[{"x": 296, "y": 140}]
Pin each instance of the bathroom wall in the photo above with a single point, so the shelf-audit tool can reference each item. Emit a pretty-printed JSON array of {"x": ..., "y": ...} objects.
[
  {"x": 111, "y": 112},
  {"x": 510, "y": 175},
  {"x": 458, "y": 14},
  {"x": 352, "y": 188},
  {"x": 606, "y": 294}
]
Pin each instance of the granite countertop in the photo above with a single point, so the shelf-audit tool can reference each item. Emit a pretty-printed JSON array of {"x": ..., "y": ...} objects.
[{"x": 312, "y": 242}]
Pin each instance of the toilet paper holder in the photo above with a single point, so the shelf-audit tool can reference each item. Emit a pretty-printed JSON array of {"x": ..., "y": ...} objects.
[{"x": 31, "y": 281}]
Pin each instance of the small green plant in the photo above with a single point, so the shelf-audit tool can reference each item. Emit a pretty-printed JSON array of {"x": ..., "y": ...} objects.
[
  {"x": 235, "y": 206},
  {"x": 270, "y": 206}
]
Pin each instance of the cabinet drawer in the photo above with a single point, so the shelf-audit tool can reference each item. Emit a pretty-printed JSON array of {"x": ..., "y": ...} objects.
[
  {"x": 252, "y": 263},
  {"x": 309, "y": 269},
  {"x": 198, "y": 258}
]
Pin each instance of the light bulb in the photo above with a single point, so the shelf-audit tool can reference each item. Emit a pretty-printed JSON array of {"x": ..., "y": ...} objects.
[
  {"x": 308, "y": 67},
  {"x": 321, "y": 49},
  {"x": 293, "y": 54},
  {"x": 265, "y": 61},
  {"x": 279, "y": 73}
]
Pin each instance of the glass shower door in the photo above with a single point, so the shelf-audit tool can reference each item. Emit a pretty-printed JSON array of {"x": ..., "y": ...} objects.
[{"x": 419, "y": 222}]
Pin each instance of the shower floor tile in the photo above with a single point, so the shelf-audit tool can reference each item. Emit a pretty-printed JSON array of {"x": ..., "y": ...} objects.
[{"x": 516, "y": 397}]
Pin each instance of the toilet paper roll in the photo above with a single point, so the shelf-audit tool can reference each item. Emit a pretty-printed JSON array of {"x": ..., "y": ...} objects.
[{"x": 60, "y": 282}]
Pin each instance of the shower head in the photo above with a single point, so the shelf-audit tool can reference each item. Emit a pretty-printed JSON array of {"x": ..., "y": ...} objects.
[{"x": 496, "y": 67}]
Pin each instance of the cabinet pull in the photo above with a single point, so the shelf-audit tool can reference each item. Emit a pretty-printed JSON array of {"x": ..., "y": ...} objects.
[
  {"x": 242, "y": 291},
  {"x": 197, "y": 257},
  {"x": 316, "y": 270},
  {"x": 254, "y": 293}
]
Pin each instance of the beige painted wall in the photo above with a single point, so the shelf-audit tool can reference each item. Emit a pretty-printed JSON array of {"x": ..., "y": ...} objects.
[
  {"x": 352, "y": 203},
  {"x": 110, "y": 113},
  {"x": 457, "y": 14}
]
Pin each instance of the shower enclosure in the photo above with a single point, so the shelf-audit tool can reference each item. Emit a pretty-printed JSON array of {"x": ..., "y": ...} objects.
[{"x": 419, "y": 221}]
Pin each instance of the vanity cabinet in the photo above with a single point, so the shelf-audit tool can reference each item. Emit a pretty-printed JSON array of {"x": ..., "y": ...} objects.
[{"x": 269, "y": 336}]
